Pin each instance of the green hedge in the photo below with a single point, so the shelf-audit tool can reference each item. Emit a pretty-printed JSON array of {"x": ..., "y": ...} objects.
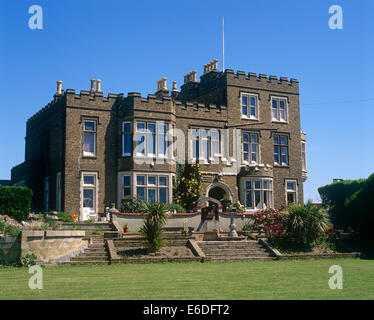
[
  {"x": 361, "y": 207},
  {"x": 15, "y": 202},
  {"x": 335, "y": 195}
]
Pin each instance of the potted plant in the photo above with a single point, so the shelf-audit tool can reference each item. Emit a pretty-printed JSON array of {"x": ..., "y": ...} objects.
[{"x": 125, "y": 228}]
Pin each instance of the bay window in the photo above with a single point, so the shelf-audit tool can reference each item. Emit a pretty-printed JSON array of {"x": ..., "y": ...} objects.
[
  {"x": 257, "y": 193},
  {"x": 151, "y": 139}
]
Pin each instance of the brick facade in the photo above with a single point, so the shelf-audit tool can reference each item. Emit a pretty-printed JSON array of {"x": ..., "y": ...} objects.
[{"x": 54, "y": 140}]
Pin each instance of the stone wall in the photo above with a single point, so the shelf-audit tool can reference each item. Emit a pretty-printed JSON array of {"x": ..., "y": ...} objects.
[
  {"x": 134, "y": 222},
  {"x": 53, "y": 246}
]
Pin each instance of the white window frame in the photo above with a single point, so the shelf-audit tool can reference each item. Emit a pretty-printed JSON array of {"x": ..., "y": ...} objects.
[
  {"x": 287, "y": 191},
  {"x": 94, "y": 132},
  {"x": 133, "y": 184},
  {"x": 94, "y": 186},
  {"x": 209, "y": 141},
  {"x": 281, "y": 163},
  {"x": 124, "y": 133},
  {"x": 278, "y": 119},
  {"x": 157, "y": 135},
  {"x": 248, "y": 116},
  {"x": 258, "y": 154},
  {"x": 269, "y": 190},
  {"x": 303, "y": 156}
]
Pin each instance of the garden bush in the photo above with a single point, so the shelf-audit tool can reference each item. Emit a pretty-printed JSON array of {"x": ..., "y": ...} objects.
[
  {"x": 64, "y": 217},
  {"x": 153, "y": 223},
  {"x": 335, "y": 195},
  {"x": 360, "y": 207},
  {"x": 9, "y": 230},
  {"x": 176, "y": 207},
  {"x": 15, "y": 202},
  {"x": 129, "y": 205},
  {"x": 303, "y": 223}
]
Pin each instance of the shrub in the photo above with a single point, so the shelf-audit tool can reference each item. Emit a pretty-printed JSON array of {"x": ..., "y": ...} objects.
[
  {"x": 132, "y": 206},
  {"x": 188, "y": 187},
  {"x": 64, "y": 217},
  {"x": 176, "y": 207},
  {"x": 334, "y": 196},
  {"x": 29, "y": 260},
  {"x": 360, "y": 207},
  {"x": 9, "y": 230},
  {"x": 153, "y": 223},
  {"x": 15, "y": 202},
  {"x": 303, "y": 223}
]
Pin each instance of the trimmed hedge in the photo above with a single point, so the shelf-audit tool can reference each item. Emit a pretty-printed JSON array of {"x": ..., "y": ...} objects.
[
  {"x": 334, "y": 196},
  {"x": 361, "y": 207},
  {"x": 15, "y": 202}
]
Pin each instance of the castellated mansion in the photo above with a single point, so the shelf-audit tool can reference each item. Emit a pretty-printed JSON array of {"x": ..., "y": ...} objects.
[{"x": 85, "y": 150}]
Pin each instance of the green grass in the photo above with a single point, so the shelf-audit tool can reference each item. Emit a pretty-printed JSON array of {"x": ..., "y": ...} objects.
[{"x": 300, "y": 279}]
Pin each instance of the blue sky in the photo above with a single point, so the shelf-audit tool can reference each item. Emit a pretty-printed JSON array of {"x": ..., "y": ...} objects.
[{"x": 131, "y": 44}]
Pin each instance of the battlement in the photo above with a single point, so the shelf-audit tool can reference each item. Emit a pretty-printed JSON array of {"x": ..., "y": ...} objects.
[{"x": 261, "y": 77}]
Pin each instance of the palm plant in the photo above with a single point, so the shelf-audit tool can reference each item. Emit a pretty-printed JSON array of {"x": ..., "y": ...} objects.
[
  {"x": 304, "y": 223},
  {"x": 153, "y": 223}
]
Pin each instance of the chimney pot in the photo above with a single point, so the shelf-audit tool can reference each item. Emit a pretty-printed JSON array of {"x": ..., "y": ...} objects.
[
  {"x": 59, "y": 87},
  {"x": 98, "y": 85},
  {"x": 92, "y": 85},
  {"x": 161, "y": 84}
]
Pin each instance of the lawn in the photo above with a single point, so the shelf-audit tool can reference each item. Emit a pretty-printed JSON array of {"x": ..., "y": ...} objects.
[{"x": 300, "y": 279}]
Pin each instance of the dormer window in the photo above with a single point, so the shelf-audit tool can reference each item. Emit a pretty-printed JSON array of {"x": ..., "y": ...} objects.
[{"x": 249, "y": 104}]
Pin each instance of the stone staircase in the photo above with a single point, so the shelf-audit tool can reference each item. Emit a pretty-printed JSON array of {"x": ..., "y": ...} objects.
[
  {"x": 96, "y": 253},
  {"x": 234, "y": 250}
]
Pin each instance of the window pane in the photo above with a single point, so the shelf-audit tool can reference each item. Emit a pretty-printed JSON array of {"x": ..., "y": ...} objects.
[
  {"x": 248, "y": 200},
  {"x": 163, "y": 192},
  {"x": 257, "y": 200},
  {"x": 151, "y": 144},
  {"x": 214, "y": 134},
  {"x": 163, "y": 181},
  {"x": 162, "y": 128},
  {"x": 254, "y": 138},
  {"x": 162, "y": 144},
  {"x": 276, "y": 139},
  {"x": 127, "y": 144},
  {"x": 284, "y": 140},
  {"x": 127, "y": 127},
  {"x": 215, "y": 147},
  {"x": 89, "y": 143},
  {"x": 205, "y": 149},
  {"x": 140, "y": 193},
  {"x": 275, "y": 115},
  {"x": 253, "y": 101},
  {"x": 126, "y": 181},
  {"x": 89, "y": 180},
  {"x": 195, "y": 133},
  {"x": 245, "y": 137},
  {"x": 276, "y": 154},
  {"x": 253, "y": 111},
  {"x": 140, "y": 126},
  {"x": 126, "y": 192},
  {"x": 152, "y": 195},
  {"x": 265, "y": 184},
  {"x": 290, "y": 185},
  {"x": 281, "y": 104},
  {"x": 246, "y": 147},
  {"x": 291, "y": 197},
  {"x": 282, "y": 115},
  {"x": 152, "y": 180},
  {"x": 140, "y": 180},
  {"x": 152, "y": 127},
  {"x": 90, "y": 126},
  {"x": 245, "y": 156},
  {"x": 248, "y": 185},
  {"x": 140, "y": 145},
  {"x": 257, "y": 184},
  {"x": 244, "y": 110},
  {"x": 274, "y": 103},
  {"x": 88, "y": 198},
  {"x": 195, "y": 148},
  {"x": 244, "y": 100}
]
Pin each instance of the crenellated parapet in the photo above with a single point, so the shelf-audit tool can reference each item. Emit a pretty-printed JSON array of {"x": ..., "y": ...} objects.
[{"x": 261, "y": 81}]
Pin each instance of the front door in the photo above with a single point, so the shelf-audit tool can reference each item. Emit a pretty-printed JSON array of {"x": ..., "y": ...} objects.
[{"x": 89, "y": 204}]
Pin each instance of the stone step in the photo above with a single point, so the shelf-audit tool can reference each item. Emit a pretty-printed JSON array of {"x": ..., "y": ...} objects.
[
  {"x": 90, "y": 262},
  {"x": 259, "y": 254},
  {"x": 235, "y": 253},
  {"x": 94, "y": 254},
  {"x": 89, "y": 258},
  {"x": 226, "y": 259}
]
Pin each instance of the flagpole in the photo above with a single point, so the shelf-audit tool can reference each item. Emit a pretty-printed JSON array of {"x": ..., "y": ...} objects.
[{"x": 223, "y": 44}]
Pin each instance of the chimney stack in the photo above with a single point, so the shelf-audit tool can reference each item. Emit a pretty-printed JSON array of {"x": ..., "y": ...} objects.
[
  {"x": 190, "y": 77},
  {"x": 211, "y": 66},
  {"x": 92, "y": 85},
  {"x": 98, "y": 85},
  {"x": 161, "y": 84},
  {"x": 59, "y": 87},
  {"x": 174, "y": 86}
]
